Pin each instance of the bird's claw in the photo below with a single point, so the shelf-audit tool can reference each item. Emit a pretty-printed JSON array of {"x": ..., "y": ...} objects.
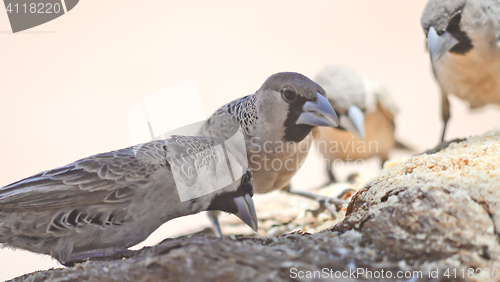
[
  {"x": 323, "y": 205},
  {"x": 329, "y": 203}
]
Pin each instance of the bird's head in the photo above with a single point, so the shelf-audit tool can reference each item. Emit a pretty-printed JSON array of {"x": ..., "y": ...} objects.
[
  {"x": 347, "y": 93},
  {"x": 446, "y": 25},
  {"x": 237, "y": 199},
  {"x": 294, "y": 104}
]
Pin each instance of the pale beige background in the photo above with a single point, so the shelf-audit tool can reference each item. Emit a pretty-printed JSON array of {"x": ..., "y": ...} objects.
[{"x": 66, "y": 86}]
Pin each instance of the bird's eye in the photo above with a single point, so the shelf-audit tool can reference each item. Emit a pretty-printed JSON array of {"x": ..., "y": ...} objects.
[
  {"x": 289, "y": 95},
  {"x": 246, "y": 177}
]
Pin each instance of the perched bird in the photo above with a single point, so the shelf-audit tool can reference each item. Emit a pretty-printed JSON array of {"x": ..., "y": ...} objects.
[
  {"x": 366, "y": 108},
  {"x": 463, "y": 39},
  {"x": 276, "y": 122},
  {"x": 98, "y": 206}
]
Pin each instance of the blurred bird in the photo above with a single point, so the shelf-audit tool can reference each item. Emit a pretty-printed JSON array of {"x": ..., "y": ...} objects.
[
  {"x": 366, "y": 109},
  {"x": 98, "y": 206},
  {"x": 276, "y": 122},
  {"x": 463, "y": 39}
]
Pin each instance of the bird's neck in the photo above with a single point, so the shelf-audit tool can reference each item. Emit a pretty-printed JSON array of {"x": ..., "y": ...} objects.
[
  {"x": 244, "y": 110},
  {"x": 296, "y": 132}
]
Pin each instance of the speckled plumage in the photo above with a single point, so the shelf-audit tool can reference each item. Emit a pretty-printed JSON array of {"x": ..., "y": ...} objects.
[
  {"x": 242, "y": 110},
  {"x": 276, "y": 123},
  {"x": 262, "y": 117},
  {"x": 115, "y": 199}
]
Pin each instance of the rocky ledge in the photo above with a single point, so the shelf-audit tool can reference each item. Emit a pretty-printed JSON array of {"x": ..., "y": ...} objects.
[{"x": 432, "y": 217}]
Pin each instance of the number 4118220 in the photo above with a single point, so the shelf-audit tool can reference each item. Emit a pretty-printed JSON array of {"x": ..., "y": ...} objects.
[{"x": 34, "y": 8}]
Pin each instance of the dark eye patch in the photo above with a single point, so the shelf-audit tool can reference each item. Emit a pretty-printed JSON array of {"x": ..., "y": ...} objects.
[
  {"x": 296, "y": 132},
  {"x": 464, "y": 44}
]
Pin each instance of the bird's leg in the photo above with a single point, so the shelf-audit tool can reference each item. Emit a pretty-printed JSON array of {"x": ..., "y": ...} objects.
[
  {"x": 352, "y": 177},
  {"x": 445, "y": 112},
  {"x": 213, "y": 216},
  {"x": 331, "y": 176},
  {"x": 327, "y": 201},
  {"x": 331, "y": 179},
  {"x": 98, "y": 254},
  {"x": 383, "y": 159}
]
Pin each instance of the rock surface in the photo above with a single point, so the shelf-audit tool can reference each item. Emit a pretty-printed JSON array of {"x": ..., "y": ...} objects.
[{"x": 431, "y": 217}]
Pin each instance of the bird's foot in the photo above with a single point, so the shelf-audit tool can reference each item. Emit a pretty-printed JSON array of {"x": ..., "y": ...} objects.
[
  {"x": 323, "y": 205},
  {"x": 329, "y": 203},
  {"x": 441, "y": 146},
  {"x": 318, "y": 198}
]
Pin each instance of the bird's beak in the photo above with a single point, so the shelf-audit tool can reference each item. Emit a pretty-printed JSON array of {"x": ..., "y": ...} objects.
[
  {"x": 354, "y": 122},
  {"x": 438, "y": 45},
  {"x": 318, "y": 113},
  {"x": 246, "y": 211}
]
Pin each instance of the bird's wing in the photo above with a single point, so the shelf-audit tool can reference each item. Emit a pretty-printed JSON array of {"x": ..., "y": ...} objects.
[
  {"x": 189, "y": 154},
  {"x": 224, "y": 123},
  {"x": 111, "y": 177}
]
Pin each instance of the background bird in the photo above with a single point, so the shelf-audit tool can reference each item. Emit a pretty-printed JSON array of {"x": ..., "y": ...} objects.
[
  {"x": 100, "y": 205},
  {"x": 365, "y": 108},
  {"x": 276, "y": 121},
  {"x": 463, "y": 38}
]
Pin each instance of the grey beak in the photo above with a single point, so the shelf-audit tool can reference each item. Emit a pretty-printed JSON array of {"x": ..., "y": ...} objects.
[
  {"x": 354, "y": 122},
  {"x": 439, "y": 45},
  {"x": 246, "y": 211},
  {"x": 318, "y": 113}
]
